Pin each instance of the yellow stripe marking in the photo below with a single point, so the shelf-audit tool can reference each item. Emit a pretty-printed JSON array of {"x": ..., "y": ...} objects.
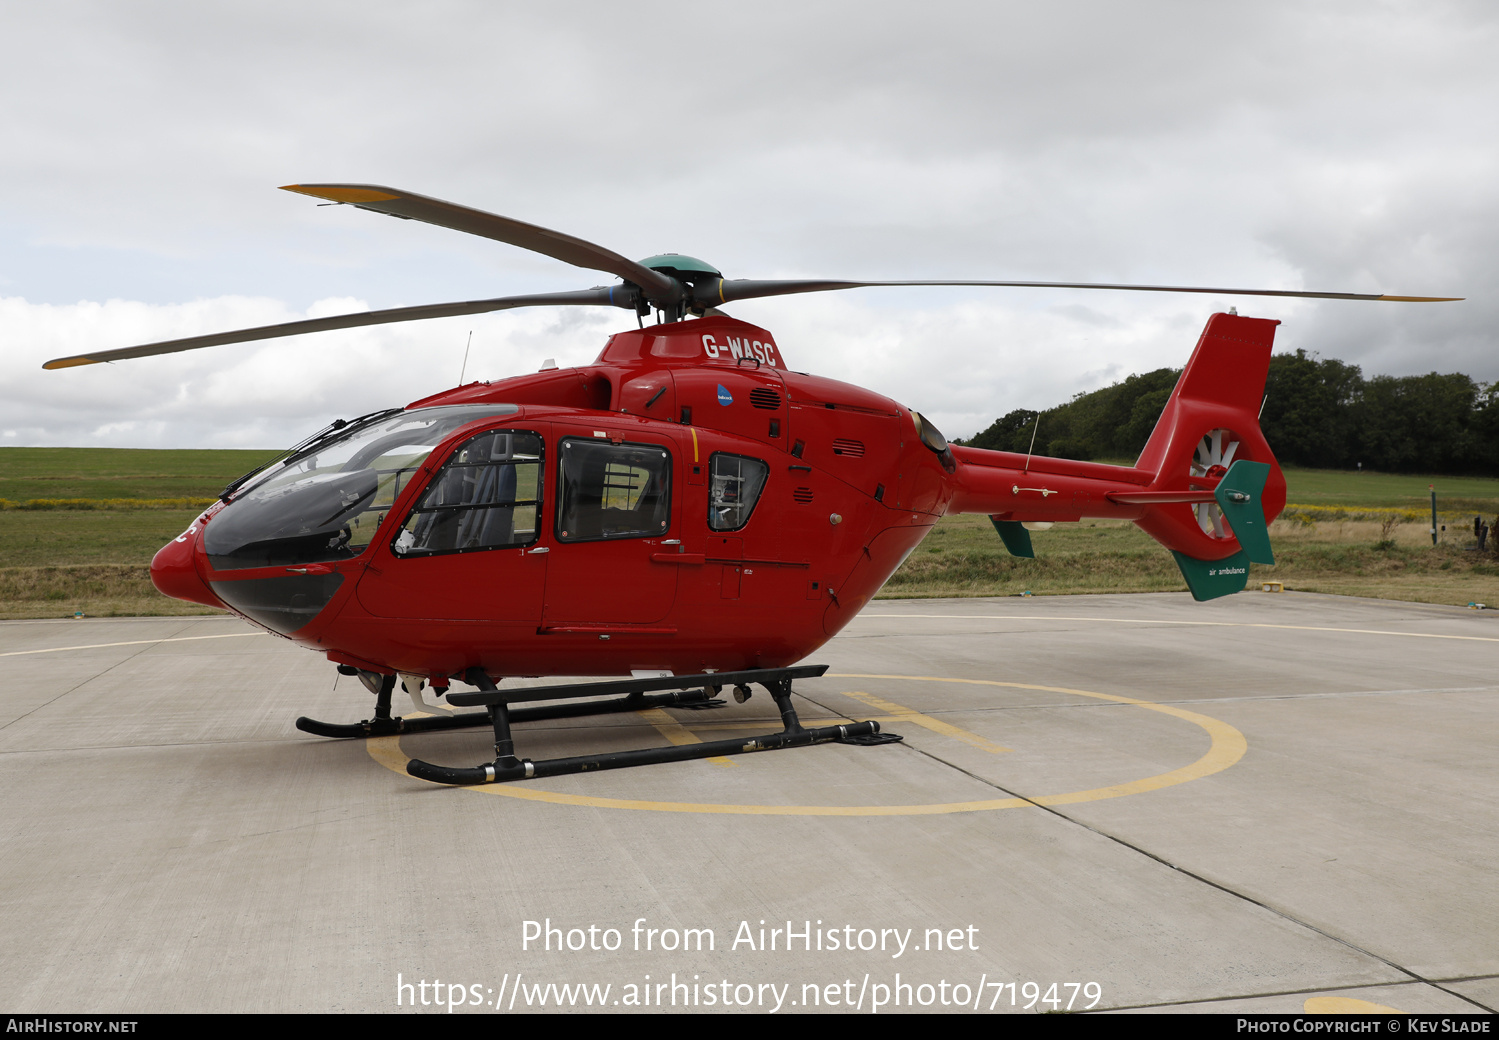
[
  {"x": 1346, "y": 1006},
  {"x": 1157, "y": 621},
  {"x": 902, "y": 714},
  {"x": 694, "y": 442},
  {"x": 1228, "y": 746},
  {"x": 128, "y": 642},
  {"x": 675, "y": 732},
  {"x": 387, "y": 751}
]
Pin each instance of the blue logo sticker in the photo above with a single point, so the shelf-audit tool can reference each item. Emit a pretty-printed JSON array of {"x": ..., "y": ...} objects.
[{"x": 724, "y": 397}]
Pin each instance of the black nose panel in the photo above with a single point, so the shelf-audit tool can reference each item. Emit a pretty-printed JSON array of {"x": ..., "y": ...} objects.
[{"x": 282, "y": 604}]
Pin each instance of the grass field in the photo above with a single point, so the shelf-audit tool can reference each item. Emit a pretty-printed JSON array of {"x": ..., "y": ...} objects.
[
  {"x": 104, "y": 473},
  {"x": 55, "y": 562},
  {"x": 963, "y": 557},
  {"x": 1330, "y": 487}
]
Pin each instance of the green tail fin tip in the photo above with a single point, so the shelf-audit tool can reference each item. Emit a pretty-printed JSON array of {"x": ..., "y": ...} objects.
[{"x": 1016, "y": 538}]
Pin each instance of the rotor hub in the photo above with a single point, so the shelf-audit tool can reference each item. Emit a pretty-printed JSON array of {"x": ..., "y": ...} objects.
[{"x": 683, "y": 268}]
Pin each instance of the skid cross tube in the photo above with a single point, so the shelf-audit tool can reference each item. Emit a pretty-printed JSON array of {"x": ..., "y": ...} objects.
[
  {"x": 507, "y": 766},
  {"x": 637, "y": 685},
  {"x": 388, "y": 727}
]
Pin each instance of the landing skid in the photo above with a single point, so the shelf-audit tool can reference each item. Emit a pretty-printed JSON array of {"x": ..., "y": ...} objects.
[{"x": 507, "y": 766}]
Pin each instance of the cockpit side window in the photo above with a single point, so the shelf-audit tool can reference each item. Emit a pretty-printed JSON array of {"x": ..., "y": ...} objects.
[
  {"x": 486, "y": 496},
  {"x": 612, "y": 490},
  {"x": 734, "y": 486}
]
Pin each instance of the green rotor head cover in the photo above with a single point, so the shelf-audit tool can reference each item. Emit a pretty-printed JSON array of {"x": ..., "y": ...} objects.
[{"x": 679, "y": 265}]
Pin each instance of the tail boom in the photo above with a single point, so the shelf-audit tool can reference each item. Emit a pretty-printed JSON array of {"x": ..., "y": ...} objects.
[{"x": 1210, "y": 422}]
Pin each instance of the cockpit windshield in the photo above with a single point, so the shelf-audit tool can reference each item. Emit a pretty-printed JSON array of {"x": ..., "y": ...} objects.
[{"x": 325, "y": 504}]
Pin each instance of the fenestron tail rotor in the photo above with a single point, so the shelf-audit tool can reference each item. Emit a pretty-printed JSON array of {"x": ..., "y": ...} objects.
[
  {"x": 674, "y": 285},
  {"x": 1213, "y": 457}
]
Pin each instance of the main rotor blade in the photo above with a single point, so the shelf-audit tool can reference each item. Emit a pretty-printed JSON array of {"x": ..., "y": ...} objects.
[
  {"x": 721, "y": 291},
  {"x": 618, "y": 296},
  {"x": 659, "y": 288}
]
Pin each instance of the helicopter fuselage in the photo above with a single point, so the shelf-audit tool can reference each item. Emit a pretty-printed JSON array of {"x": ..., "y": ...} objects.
[
  {"x": 686, "y": 504},
  {"x": 686, "y": 509}
]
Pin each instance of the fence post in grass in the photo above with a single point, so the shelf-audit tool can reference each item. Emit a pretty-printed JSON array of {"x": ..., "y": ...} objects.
[{"x": 1433, "y": 488}]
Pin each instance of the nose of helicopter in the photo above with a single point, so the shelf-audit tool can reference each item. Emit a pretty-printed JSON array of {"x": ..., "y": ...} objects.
[{"x": 174, "y": 571}]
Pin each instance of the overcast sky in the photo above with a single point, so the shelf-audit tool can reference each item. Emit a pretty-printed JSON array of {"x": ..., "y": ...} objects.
[{"x": 1329, "y": 146}]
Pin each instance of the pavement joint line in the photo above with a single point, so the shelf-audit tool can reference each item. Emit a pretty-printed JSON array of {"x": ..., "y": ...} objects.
[
  {"x": 832, "y": 718},
  {"x": 1159, "y": 621},
  {"x": 293, "y": 828},
  {"x": 1284, "y": 915},
  {"x": 1258, "y": 996},
  {"x": 899, "y": 712},
  {"x": 1330, "y": 693},
  {"x": 1300, "y": 992},
  {"x": 1208, "y": 700},
  {"x": 218, "y": 615},
  {"x": 677, "y": 733},
  {"x": 714, "y": 723},
  {"x": 1405, "y": 979},
  {"x": 97, "y": 675},
  {"x": 1227, "y": 747},
  {"x": 128, "y": 642},
  {"x": 169, "y": 744}
]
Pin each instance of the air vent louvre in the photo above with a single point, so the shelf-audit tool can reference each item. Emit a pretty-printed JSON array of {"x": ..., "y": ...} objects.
[
  {"x": 764, "y": 397},
  {"x": 844, "y": 446},
  {"x": 802, "y": 494}
]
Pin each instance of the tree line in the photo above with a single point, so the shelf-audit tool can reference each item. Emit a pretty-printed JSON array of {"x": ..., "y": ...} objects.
[{"x": 1317, "y": 413}]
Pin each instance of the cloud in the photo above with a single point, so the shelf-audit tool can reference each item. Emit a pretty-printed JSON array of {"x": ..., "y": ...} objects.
[
  {"x": 268, "y": 394},
  {"x": 1344, "y": 146}
]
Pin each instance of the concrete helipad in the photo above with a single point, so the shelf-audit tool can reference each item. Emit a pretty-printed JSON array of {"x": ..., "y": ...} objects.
[{"x": 1268, "y": 803}]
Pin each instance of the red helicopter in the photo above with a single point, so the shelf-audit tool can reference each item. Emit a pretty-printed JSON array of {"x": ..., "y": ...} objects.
[{"x": 687, "y": 509}]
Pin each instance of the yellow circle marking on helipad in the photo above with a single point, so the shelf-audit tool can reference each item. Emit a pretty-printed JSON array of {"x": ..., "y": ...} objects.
[{"x": 1228, "y": 746}]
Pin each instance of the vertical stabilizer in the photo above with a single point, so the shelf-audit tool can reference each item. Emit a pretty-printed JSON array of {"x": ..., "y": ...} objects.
[{"x": 1210, "y": 424}]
